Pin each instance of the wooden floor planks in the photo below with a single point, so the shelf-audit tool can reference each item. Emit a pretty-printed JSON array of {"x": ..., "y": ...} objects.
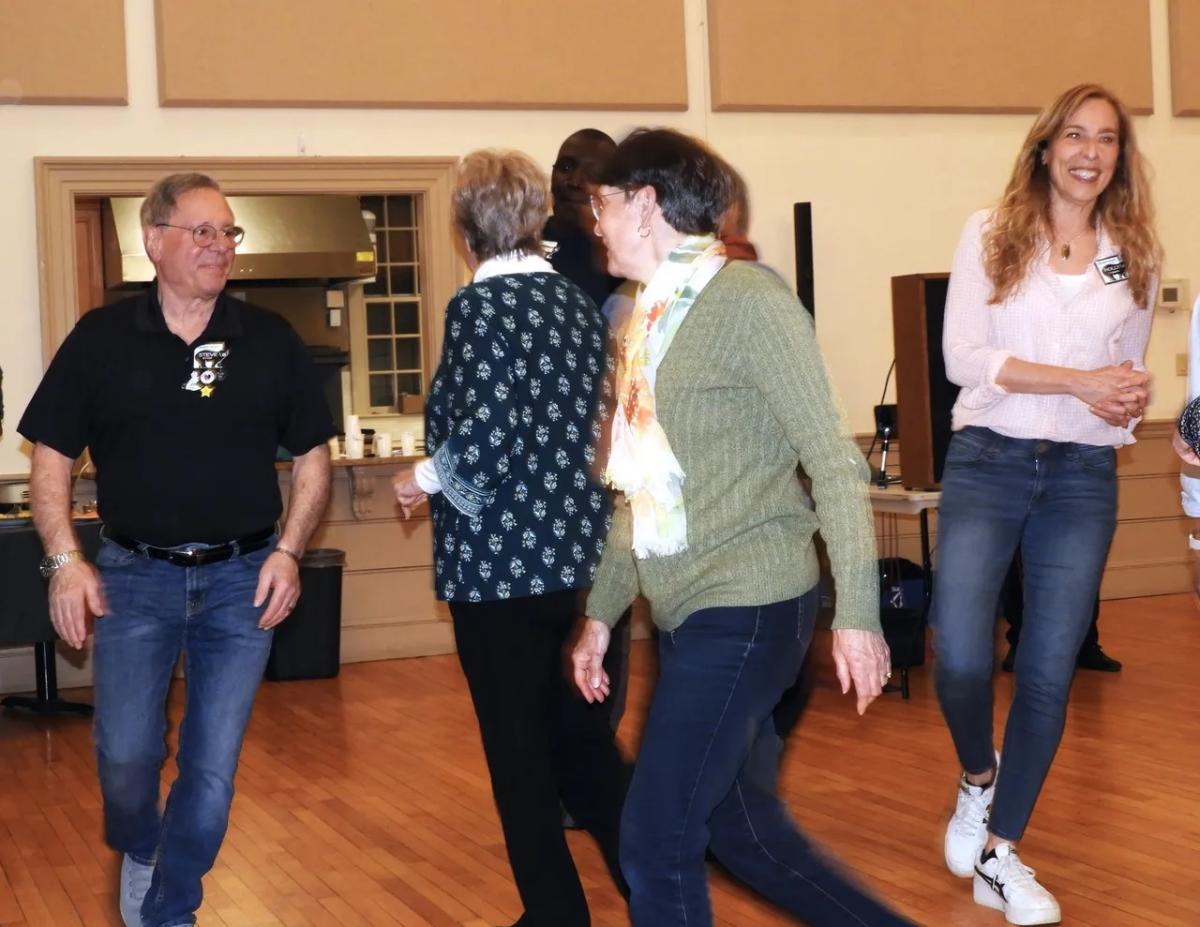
[{"x": 364, "y": 800}]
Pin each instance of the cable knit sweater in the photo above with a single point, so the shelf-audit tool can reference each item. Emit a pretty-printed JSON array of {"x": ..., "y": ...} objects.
[{"x": 744, "y": 397}]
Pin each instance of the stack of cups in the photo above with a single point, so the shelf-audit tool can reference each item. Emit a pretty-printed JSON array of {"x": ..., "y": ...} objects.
[{"x": 354, "y": 438}]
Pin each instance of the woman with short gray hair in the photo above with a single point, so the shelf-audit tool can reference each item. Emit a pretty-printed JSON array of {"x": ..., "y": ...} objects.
[{"x": 519, "y": 519}]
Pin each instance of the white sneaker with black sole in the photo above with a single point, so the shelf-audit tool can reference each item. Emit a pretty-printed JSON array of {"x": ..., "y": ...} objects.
[
  {"x": 1006, "y": 884},
  {"x": 966, "y": 834}
]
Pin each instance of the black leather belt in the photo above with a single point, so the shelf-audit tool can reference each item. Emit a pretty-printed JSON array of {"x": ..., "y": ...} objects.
[{"x": 196, "y": 556}]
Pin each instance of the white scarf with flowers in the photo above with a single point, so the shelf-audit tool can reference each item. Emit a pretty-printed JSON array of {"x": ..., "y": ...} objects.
[{"x": 642, "y": 464}]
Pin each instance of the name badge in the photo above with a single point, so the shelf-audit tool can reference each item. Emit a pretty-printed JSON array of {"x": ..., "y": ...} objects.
[{"x": 1112, "y": 269}]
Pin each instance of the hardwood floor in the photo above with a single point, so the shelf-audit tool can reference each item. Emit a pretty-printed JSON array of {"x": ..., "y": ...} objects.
[{"x": 364, "y": 800}]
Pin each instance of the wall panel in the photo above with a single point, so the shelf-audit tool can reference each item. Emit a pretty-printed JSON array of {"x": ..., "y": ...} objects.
[
  {"x": 1184, "y": 19},
  {"x": 412, "y": 53},
  {"x": 68, "y": 51},
  {"x": 924, "y": 55}
]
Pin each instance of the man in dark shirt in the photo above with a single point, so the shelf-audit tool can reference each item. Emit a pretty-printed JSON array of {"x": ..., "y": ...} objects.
[
  {"x": 580, "y": 257},
  {"x": 578, "y": 254},
  {"x": 183, "y": 395}
]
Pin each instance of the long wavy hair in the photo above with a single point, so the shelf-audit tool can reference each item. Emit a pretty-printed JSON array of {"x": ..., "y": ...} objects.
[{"x": 1021, "y": 223}]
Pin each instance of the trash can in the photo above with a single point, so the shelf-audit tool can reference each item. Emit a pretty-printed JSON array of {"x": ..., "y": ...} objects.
[{"x": 307, "y": 644}]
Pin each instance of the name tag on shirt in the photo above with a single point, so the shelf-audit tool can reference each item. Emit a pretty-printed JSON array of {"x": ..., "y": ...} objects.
[{"x": 1112, "y": 269}]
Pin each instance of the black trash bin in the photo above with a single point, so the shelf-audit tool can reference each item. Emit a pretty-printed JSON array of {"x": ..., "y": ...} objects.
[{"x": 307, "y": 644}]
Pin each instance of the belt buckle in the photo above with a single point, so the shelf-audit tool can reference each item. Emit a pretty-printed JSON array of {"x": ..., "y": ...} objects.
[{"x": 186, "y": 558}]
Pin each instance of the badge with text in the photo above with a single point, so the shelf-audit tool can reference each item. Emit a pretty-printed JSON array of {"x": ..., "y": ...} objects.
[
  {"x": 1112, "y": 269},
  {"x": 207, "y": 372}
]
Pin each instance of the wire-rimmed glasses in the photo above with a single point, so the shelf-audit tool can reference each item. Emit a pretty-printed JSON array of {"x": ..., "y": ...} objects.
[{"x": 205, "y": 235}]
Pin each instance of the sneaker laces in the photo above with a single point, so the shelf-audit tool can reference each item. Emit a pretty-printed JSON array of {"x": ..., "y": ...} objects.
[
  {"x": 1014, "y": 872},
  {"x": 139, "y": 879},
  {"x": 972, "y": 810}
]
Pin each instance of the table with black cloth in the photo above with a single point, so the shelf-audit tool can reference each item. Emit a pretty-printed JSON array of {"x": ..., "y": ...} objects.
[{"x": 25, "y": 613}]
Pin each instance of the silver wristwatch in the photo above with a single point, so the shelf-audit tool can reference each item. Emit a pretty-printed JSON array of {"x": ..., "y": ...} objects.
[{"x": 55, "y": 562}]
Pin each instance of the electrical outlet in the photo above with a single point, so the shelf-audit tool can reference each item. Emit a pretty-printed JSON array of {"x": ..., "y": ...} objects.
[{"x": 1181, "y": 365}]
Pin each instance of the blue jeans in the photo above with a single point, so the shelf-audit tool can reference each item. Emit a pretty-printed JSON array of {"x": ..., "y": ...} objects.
[
  {"x": 1058, "y": 503},
  {"x": 155, "y": 612},
  {"x": 706, "y": 777}
]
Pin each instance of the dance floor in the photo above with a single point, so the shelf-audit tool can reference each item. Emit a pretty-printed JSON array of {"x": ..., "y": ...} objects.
[{"x": 364, "y": 800}]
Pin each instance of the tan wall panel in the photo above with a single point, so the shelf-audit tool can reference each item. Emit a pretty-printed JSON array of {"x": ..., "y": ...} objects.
[
  {"x": 1184, "y": 19},
  {"x": 68, "y": 51},
  {"x": 924, "y": 55},
  {"x": 453, "y": 53}
]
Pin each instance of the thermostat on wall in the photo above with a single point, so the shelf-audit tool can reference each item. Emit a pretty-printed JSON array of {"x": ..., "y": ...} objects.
[{"x": 1172, "y": 295}]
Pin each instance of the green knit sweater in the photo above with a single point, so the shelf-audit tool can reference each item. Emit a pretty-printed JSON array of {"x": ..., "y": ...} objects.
[{"x": 744, "y": 397}]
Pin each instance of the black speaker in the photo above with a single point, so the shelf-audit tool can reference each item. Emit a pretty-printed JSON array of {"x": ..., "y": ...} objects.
[
  {"x": 803, "y": 223},
  {"x": 924, "y": 396}
]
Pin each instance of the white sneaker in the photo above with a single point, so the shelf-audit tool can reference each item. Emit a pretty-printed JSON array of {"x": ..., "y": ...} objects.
[
  {"x": 135, "y": 883},
  {"x": 1006, "y": 884},
  {"x": 966, "y": 834}
]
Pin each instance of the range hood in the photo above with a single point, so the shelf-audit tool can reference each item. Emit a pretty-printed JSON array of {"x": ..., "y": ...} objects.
[{"x": 287, "y": 238}]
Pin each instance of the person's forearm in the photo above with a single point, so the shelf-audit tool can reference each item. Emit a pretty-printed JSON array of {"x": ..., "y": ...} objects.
[
  {"x": 1019, "y": 376},
  {"x": 307, "y": 498},
  {"x": 50, "y": 499}
]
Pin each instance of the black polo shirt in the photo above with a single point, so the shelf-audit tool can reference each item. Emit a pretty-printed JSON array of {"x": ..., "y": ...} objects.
[{"x": 183, "y": 436}]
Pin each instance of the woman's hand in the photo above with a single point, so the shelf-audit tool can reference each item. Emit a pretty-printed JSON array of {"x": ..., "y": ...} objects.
[
  {"x": 1184, "y": 450},
  {"x": 1115, "y": 383},
  {"x": 408, "y": 493},
  {"x": 588, "y": 660},
  {"x": 1114, "y": 413},
  {"x": 862, "y": 658}
]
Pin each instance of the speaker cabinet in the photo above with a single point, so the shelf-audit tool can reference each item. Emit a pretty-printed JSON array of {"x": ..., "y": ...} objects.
[
  {"x": 924, "y": 397},
  {"x": 802, "y": 221}
]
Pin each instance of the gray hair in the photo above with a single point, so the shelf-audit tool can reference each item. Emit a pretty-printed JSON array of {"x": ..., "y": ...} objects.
[
  {"x": 500, "y": 203},
  {"x": 163, "y": 197}
]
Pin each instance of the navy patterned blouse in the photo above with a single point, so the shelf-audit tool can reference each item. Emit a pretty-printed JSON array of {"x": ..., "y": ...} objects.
[{"x": 512, "y": 423}]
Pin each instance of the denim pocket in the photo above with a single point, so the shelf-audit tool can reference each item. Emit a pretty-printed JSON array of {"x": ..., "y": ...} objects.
[
  {"x": 112, "y": 556},
  {"x": 1101, "y": 461},
  {"x": 968, "y": 447}
]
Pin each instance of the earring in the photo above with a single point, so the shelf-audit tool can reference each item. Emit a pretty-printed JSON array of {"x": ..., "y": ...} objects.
[{"x": 643, "y": 231}]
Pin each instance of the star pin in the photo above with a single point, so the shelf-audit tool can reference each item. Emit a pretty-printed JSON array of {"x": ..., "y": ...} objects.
[{"x": 206, "y": 391}]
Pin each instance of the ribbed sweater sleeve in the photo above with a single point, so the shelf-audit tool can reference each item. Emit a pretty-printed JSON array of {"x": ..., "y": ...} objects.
[
  {"x": 786, "y": 365},
  {"x": 616, "y": 583}
]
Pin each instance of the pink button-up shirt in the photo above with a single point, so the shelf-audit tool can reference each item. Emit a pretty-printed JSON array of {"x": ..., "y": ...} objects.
[{"x": 1044, "y": 323}]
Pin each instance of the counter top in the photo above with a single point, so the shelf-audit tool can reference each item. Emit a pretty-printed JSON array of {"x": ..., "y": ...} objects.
[
  {"x": 24, "y": 521},
  {"x": 360, "y": 461}
]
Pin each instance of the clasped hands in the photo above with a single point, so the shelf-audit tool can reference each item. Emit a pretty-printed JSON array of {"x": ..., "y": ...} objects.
[{"x": 1116, "y": 394}]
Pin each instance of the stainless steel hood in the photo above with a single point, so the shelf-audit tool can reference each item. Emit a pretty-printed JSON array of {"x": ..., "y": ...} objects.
[{"x": 287, "y": 238}]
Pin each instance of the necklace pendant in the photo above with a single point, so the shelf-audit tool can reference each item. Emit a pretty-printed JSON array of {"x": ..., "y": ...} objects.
[{"x": 1066, "y": 251}]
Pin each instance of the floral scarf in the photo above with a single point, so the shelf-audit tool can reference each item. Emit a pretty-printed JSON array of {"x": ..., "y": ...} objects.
[{"x": 642, "y": 464}]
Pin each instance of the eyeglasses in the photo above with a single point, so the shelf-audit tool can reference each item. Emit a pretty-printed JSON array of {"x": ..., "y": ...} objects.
[
  {"x": 597, "y": 201},
  {"x": 206, "y": 235}
]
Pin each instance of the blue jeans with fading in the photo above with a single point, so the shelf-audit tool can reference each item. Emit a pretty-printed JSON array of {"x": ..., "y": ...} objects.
[
  {"x": 157, "y": 611},
  {"x": 1058, "y": 503},
  {"x": 706, "y": 777}
]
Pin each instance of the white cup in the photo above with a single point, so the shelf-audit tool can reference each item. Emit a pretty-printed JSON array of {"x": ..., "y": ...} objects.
[
  {"x": 354, "y": 445},
  {"x": 408, "y": 444},
  {"x": 383, "y": 444}
]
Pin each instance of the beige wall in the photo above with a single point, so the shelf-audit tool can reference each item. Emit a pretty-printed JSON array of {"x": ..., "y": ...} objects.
[{"x": 890, "y": 192}]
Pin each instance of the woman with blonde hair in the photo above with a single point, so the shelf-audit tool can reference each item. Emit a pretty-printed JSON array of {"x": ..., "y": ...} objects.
[
  {"x": 512, "y": 427},
  {"x": 1047, "y": 319}
]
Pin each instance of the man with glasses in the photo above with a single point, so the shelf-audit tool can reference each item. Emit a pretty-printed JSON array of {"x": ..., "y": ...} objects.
[{"x": 183, "y": 395}]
